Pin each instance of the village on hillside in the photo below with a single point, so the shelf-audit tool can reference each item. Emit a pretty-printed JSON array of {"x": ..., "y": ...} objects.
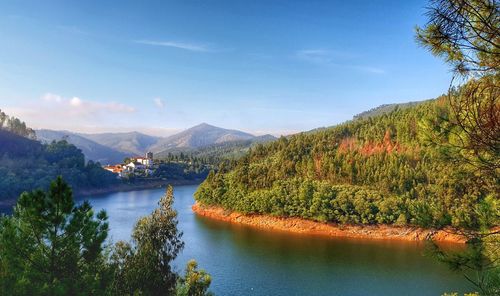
[
  {"x": 146, "y": 168},
  {"x": 140, "y": 166}
]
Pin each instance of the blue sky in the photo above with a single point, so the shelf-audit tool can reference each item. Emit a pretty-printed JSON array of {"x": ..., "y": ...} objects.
[{"x": 161, "y": 66}]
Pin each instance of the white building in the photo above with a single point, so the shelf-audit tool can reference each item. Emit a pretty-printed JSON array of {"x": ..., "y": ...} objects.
[
  {"x": 135, "y": 165},
  {"x": 147, "y": 161}
]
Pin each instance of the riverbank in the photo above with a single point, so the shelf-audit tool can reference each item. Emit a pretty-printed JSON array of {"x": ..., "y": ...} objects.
[
  {"x": 123, "y": 187},
  {"x": 6, "y": 204},
  {"x": 298, "y": 225}
]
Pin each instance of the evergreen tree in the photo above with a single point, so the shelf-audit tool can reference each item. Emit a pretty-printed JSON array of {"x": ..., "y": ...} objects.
[
  {"x": 50, "y": 246},
  {"x": 466, "y": 33}
]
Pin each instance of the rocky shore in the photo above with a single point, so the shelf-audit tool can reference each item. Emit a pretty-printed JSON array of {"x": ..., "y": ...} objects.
[{"x": 298, "y": 225}]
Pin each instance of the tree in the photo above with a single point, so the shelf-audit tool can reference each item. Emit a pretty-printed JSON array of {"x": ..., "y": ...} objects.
[
  {"x": 16, "y": 126},
  {"x": 50, "y": 246},
  {"x": 3, "y": 119},
  {"x": 195, "y": 282},
  {"x": 479, "y": 262},
  {"x": 144, "y": 265},
  {"x": 466, "y": 33}
]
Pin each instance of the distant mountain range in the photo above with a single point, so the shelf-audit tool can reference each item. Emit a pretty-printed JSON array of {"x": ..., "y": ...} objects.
[
  {"x": 114, "y": 147},
  {"x": 200, "y": 140},
  {"x": 132, "y": 143},
  {"x": 200, "y": 136},
  {"x": 91, "y": 149}
]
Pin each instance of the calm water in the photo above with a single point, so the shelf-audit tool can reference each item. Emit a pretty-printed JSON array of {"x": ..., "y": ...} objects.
[{"x": 246, "y": 261}]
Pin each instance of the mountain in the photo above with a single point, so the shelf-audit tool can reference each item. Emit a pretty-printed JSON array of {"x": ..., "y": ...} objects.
[
  {"x": 131, "y": 143},
  {"x": 377, "y": 111},
  {"x": 91, "y": 149},
  {"x": 201, "y": 140},
  {"x": 202, "y": 135}
]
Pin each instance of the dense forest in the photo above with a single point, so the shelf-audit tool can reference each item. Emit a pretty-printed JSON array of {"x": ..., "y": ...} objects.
[
  {"x": 189, "y": 169},
  {"x": 214, "y": 154},
  {"x": 26, "y": 164},
  {"x": 374, "y": 169}
]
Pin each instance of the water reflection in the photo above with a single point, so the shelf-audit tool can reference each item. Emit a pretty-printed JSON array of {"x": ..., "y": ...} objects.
[{"x": 248, "y": 261}]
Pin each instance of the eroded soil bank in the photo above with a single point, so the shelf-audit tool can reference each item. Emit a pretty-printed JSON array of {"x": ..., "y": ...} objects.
[{"x": 298, "y": 225}]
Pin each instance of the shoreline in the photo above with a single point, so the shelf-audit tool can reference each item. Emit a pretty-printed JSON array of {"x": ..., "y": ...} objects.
[
  {"x": 304, "y": 226},
  {"x": 124, "y": 187},
  {"x": 120, "y": 187}
]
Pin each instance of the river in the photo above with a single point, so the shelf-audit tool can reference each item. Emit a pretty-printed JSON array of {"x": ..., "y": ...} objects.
[{"x": 247, "y": 261}]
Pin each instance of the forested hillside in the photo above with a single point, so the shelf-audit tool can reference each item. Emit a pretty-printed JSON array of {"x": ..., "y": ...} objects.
[
  {"x": 384, "y": 109},
  {"x": 208, "y": 142},
  {"x": 382, "y": 169},
  {"x": 91, "y": 149},
  {"x": 27, "y": 164},
  {"x": 130, "y": 143}
]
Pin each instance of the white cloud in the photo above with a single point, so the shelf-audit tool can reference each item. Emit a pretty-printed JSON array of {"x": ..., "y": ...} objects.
[
  {"x": 75, "y": 102},
  {"x": 175, "y": 44},
  {"x": 314, "y": 55},
  {"x": 159, "y": 102},
  {"x": 58, "y": 112},
  {"x": 50, "y": 97},
  {"x": 368, "y": 69},
  {"x": 76, "y": 105},
  {"x": 324, "y": 57}
]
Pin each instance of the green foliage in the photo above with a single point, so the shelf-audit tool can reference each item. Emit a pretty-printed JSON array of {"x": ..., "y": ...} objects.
[
  {"x": 478, "y": 263},
  {"x": 143, "y": 266},
  {"x": 209, "y": 155},
  {"x": 50, "y": 246},
  {"x": 182, "y": 169},
  {"x": 27, "y": 165},
  {"x": 464, "y": 33},
  {"x": 194, "y": 283},
  {"x": 374, "y": 170}
]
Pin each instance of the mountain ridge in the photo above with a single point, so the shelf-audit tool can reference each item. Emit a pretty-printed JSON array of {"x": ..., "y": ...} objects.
[
  {"x": 199, "y": 136},
  {"x": 114, "y": 147},
  {"x": 91, "y": 149}
]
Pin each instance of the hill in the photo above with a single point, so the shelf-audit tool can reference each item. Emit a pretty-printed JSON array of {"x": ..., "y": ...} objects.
[
  {"x": 27, "y": 164},
  {"x": 131, "y": 143},
  {"x": 385, "y": 109},
  {"x": 199, "y": 136},
  {"x": 202, "y": 141},
  {"x": 91, "y": 149},
  {"x": 208, "y": 143},
  {"x": 374, "y": 169}
]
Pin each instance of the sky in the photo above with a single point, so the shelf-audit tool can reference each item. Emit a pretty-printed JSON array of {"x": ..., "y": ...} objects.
[{"x": 159, "y": 67}]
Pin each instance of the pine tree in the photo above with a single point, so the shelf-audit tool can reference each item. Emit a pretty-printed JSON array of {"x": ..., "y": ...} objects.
[{"x": 50, "y": 246}]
